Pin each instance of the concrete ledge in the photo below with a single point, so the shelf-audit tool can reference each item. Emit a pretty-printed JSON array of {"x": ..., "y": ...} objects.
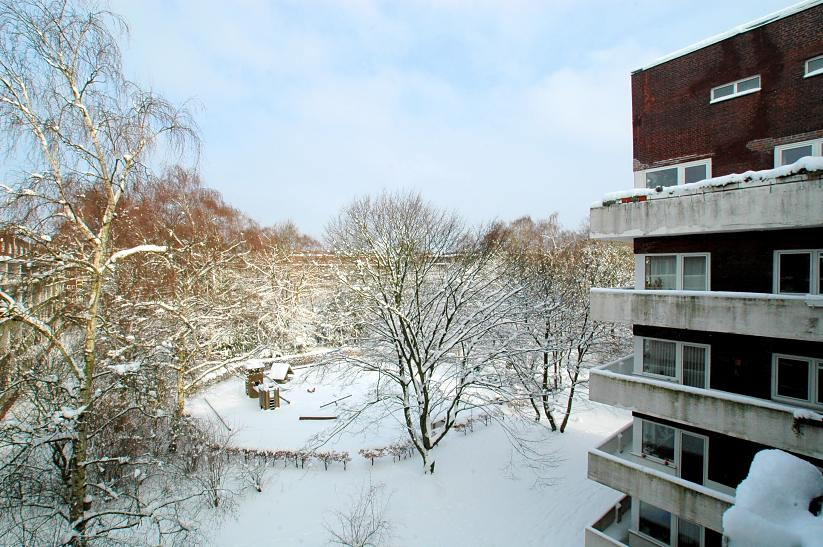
[
  {"x": 687, "y": 500},
  {"x": 750, "y": 418},
  {"x": 753, "y": 314},
  {"x": 787, "y": 202},
  {"x": 596, "y": 538}
]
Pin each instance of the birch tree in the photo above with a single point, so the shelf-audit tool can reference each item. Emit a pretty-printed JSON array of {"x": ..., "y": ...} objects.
[
  {"x": 79, "y": 129},
  {"x": 432, "y": 295}
]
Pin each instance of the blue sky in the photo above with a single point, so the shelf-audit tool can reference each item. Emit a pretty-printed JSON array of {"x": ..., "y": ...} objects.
[{"x": 495, "y": 109}]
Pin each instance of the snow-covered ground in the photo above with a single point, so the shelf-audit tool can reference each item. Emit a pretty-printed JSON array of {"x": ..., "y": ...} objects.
[{"x": 483, "y": 491}]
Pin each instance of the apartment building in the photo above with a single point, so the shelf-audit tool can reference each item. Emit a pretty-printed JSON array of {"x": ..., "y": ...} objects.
[{"x": 726, "y": 222}]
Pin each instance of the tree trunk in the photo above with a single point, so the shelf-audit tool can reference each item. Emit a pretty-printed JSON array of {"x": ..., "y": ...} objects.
[
  {"x": 546, "y": 404},
  {"x": 570, "y": 400}
]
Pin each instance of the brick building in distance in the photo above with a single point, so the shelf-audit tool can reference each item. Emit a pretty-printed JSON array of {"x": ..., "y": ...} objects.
[{"x": 727, "y": 307}]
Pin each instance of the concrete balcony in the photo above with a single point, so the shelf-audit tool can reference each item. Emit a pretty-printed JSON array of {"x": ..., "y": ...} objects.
[
  {"x": 750, "y": 418},
  {"x": 613, "y": 465},
  {"x": 725, "y": 204},
  {"x": 613, "y": 528},
  {"x": 796, "y": 317}
]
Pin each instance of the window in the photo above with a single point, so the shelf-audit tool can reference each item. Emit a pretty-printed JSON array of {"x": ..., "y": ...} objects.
[
  {"x": 655, "y": 522},
  {"x": 681, "y": 362},
  {"x": 786, "y": 154},
  {"x": 658, "y": 441},
  {"x": 797, "y": 379},
  {"x": 814, "y": 66},
  {"x": 688, "y": 272},
  {"x": 735, "y": 89},
  {"x": 798, "y": 272},
  {"x": 683, "y": 173},
  {"x": 667, "y": 529}
]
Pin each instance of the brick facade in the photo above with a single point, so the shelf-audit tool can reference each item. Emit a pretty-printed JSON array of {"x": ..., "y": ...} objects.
[{"x": 674, "y": 122}]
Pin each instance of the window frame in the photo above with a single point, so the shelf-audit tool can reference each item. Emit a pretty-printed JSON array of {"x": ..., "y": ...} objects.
[
  {"x": 640, "y": 176},
  {"x": 674, "y": 527},
  {"x": 815, "y": 258},
  {"x": 675, "y": 464},
  {"x": 815, "y": 368},
  {"x": 736, "y": 93},
  {"x": 816, "y": 72},
  {"x": 678, "y": 360},
  {"x": 641, "y": 278},
  {"x": 816, "y": 144}
]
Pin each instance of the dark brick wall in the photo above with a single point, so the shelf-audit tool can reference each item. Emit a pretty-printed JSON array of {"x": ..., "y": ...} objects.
[
  {"x": 738, "y": 364},
  {"x": 740, "y": 261},
  {"x": 674, "y": 122}
]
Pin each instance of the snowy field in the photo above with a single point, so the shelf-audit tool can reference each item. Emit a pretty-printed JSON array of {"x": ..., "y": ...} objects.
[{"x": 482, "y": 493}]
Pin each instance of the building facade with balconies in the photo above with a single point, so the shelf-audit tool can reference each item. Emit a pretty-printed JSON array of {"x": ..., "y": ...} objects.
[{"x": 727, "y": 306}]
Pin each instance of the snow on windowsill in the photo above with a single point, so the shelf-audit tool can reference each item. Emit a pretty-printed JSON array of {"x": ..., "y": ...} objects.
[{"x": 809, "y": 164}]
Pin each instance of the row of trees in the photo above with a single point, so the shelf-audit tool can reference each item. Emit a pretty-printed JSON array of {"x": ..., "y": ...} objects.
[{"x": 156, "y": 285}]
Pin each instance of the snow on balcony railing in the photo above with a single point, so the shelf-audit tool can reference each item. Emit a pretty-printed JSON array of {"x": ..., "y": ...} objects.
[
  {"x": 809, "y": 164},
  {"x": 618, "y": 371},
  {"x": 811, "y": 300}
]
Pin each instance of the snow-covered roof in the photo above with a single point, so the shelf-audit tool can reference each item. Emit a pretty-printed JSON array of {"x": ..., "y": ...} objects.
[
  {"x": 808, "y": 164},
  {"x": 253, "y": 364},
  {"x": 772, "y": 505},
  {"x": 766, "y": 19},
  {"x": 279, "y": 371}
]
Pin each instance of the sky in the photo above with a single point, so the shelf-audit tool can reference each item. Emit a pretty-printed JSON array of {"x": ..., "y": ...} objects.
[{"x": 493, "y": 109}]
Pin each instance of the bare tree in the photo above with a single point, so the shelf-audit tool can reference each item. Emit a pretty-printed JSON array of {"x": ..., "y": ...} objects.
[
  {"x": 363, "y": 522},
  {"x": 554, "y": 338},
  {"x": 431, "y": 294},
  {"x": 85, "y": 135}
]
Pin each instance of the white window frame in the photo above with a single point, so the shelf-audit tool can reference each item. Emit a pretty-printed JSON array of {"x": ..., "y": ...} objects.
[
  {"x": 809, "y": 74},
  {"x": 815, "y": 369},
  {"x": 678, "y": 359},
  {"x": 674, "y": 527},
  {"x": 814, "y": 269},
  {"x": 640, "y": 270},
  {"x": 640, "y": 176},
  {"x": 736, "y": 85},
  {"x": 637, "y": 448},
  {"x": 816, "y": 144}
]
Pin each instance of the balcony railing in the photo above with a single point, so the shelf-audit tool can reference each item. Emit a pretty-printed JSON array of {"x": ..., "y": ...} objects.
[
  {"x": 794, "y": 201},
  {"x": 773, "y": 424},
  {"x": 612, "y": 529},
  {"x": 614, "y": 465},
  {"x": 796, "y": 317}
]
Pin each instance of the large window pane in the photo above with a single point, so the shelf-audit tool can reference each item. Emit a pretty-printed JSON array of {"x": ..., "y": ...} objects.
[
  {"x": 655, "y": 522},
  {"x": 794, "y": 273},
  {"x": 820, "y": 385},
  {"x": 791, "y": 155},
  {"x": 659, "y": 357},
  {"x": 695, "y": 173},
  {"x": 661, "y": 272},
  {"x": 722, "y": 91},
  {"x": 663, "y": 177},
  {"x": 746, "y": 85},
  {"x": 694, "y": 366},
  {"x": 695, "y": 273},
  {"x": 658, "y": 441},
  {"x": 793, "y": 378},
  {"x": 688, "y": 534}
]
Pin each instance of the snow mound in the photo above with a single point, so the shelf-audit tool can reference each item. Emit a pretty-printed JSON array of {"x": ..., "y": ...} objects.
[{"x": 772, "y": 504}]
